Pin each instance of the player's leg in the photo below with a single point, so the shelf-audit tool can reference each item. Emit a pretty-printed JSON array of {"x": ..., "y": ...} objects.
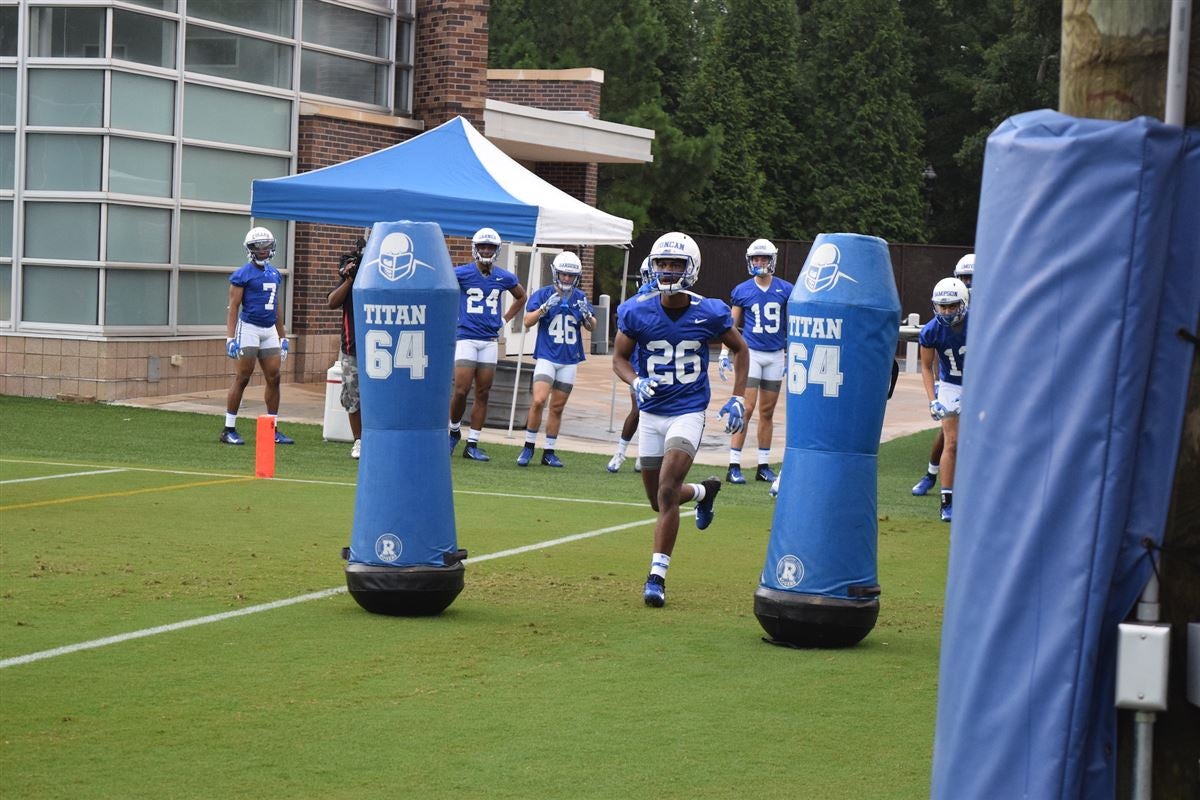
[
  {"x": 950, "y": 396},
  {"x": 485, "y": 373},
  {"x": 651, "y": 446},
  {"x": 564, "y": 382},
  {"x": 542, "y": 381},
  {"x": 738, "y": 440},
  {"x": 270, "y": 358},
  {"x": 464, "y": 374},
  {"x": 247, "y": 339},
  {"x": 771, "y": 384},
  {"x": 351, "y": 400},
  {"x": 927, "y": 481}
]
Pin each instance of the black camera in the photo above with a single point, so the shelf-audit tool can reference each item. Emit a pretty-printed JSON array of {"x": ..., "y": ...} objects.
[{"x": 348, "y": 262}]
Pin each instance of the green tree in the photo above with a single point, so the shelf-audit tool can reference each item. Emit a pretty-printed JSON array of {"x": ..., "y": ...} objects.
[{"x": 861, "y": 130}]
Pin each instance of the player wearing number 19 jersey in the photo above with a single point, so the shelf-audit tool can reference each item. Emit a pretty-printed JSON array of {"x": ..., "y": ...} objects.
[
  {"x": 760, "y": 310},
  {"x": 672, "y": 329},
  {"x": 944, "y": 339},
  {"x": 479, "y": 322}
]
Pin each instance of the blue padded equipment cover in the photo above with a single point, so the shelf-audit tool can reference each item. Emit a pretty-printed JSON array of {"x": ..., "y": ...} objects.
[
  {"x": 405, "y": 312},
  {"x": 1073, "y": 403}
]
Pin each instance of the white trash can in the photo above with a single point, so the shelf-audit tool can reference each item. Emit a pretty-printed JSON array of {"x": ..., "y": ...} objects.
[{"x": 337, "y": 421}]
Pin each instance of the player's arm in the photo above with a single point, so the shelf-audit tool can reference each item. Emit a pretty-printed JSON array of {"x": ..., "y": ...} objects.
[
  {"x": 518, "y": 302},
  {"x": 724, "y": 364},
  {"x": 622, "y": 352},
  {"x": 338, "y": 296},
  {"x": 732, "y": 341},
  {"x": 928, "y": 366},
  {"x": 235, "y": 305}
]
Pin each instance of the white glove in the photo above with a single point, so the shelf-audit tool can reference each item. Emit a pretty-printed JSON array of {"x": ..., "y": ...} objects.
[
  {"x": 550, "y": 303},
  {"x": 644, "y": 388},
  {"x": 937, "y": 410},
  {"x": 724, "y": 366}
]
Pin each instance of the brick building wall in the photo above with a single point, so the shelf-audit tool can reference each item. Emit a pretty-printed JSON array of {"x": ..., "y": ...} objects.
[{"x": 450, "y": 73}]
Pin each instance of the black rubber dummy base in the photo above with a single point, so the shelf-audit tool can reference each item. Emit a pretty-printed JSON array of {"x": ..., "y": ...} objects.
[
  {"x": 416, "y": 591},
  {"x": 809, "y": 620}
]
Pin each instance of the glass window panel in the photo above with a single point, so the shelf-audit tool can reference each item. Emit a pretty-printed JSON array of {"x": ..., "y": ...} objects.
[
  {"x": 403, "y": 84},
  {"x": 228, "y": 55},
  {"x": 7, "y": 160},
  {"x": 212, "y": 239},
  {"x": 6, "y": 228},
  {"x": 203, "y": 297},
  {"x": 404, "y": 37},
  {"x": 263, "y": 16},
  {"x": 60, "y": 294},
  {"x": 144, "y": 39},
  {"x": 236, "y": 117},
  {"x": 62, "y": 162},
  {"x": 139, "y": 167},
  {"x": 139, "y": 234},
  {"x": 140, "y": 103},
  {"x": 5, "y": 292},
  {"x": 136, "y": 297},
  {"x": 8, "y": 97},
  {"x": 62, "y": 230},
  {"x": 8, "y": 31},
  {"x": 347, "y": 78},
  {"x": 345, "y": 29},
  {"x": 66, "y": 97},
  {"x": 66, "y": 32},
  {"x": 164, "y": 5},
  {"x": 223, "y": 175}
]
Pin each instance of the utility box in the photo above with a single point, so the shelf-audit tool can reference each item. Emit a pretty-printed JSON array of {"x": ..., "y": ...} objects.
[
  {"x": 600, "y": 337},
  {"x": 1143, "y": 655}
]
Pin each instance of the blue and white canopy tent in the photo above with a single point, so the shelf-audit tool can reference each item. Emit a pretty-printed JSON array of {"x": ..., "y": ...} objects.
[{"x": 450, "y": 175}]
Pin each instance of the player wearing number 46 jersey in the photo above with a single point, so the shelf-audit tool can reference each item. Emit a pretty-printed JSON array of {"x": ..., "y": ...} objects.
[
  {"x": 559, "y": 310},
  {"x": 479, "y": 322},
  {"x": 254, "y": 331},
  {"x": 760, "y": 310},
  {"x": 944, "y": 339},
  {"x": 672, "y": 329}
]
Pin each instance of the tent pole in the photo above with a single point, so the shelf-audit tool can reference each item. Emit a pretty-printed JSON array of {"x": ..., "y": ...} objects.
[
  {"x": 612, "y": 400},
  {"x": 520, "y": 317}
]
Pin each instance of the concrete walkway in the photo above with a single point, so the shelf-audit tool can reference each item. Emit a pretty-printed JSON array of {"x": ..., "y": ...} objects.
[{"x": 592, "y": 419}]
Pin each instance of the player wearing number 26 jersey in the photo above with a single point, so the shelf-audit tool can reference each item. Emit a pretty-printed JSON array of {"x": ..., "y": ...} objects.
[{"x": 479, "y": 300}]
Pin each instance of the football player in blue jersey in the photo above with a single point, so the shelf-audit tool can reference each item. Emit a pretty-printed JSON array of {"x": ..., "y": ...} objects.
[
  {"x": 672, "y": 328},
  {"x": 559, "y": 310},
  {"x": 944, "y": 340},
  {"x": 760, "y": 311},
  {"x": 630, "y": 426},
  {"x": 479, "y": 322},
  {"x": 254, "y": 331},
  {"x": 964, "y": 270}
]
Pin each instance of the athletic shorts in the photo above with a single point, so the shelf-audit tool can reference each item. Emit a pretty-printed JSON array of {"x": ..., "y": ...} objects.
[
  {"x": 950, "y": 395},
  {"x": 475, "y": 353},
  {"x": 766, "y": 370},
  {"x": 256, "y": 341},
  {"x": 350, "y": 400},
  {"x": 658, "y": 434},
  {"x": 561, "y": 377}
]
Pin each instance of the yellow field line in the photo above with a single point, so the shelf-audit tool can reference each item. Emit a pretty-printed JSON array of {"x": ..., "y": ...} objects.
[{"x": 129, "y": 493}]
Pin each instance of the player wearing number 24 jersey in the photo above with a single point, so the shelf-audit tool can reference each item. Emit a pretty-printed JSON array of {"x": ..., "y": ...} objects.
[{"x": 479, "y": 300}]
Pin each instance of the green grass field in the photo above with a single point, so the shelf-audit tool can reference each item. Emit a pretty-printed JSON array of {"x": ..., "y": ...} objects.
[{"x": 547, "y": 677}]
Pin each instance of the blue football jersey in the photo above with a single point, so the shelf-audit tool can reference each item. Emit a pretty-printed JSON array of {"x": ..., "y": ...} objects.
[
  {"x": 764, "y": 315},
  {"x": 260, "y": 293},
  {"x": 479, "y": 314},
  {"x": 558, "y": 338},
  {"x": 674, "y": 352},
  {"x": 951, "y": 346}
]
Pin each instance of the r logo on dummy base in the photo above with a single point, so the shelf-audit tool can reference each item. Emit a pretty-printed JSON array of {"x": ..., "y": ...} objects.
[
  {"x": 388, "y": 547},
  {"x": 789, "y": 571}
]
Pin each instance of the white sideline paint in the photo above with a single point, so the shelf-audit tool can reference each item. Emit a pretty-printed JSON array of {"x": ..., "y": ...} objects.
[{"x": 63, "y": 475}]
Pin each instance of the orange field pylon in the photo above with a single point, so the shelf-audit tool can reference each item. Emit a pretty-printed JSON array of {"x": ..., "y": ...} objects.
[{"x": 264, "y": 447}]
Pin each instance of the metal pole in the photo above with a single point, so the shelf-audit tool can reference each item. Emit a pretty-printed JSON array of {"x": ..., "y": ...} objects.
[
  {"x": 520, "y": 320},
  {"x": 1141, "y": 784},
  {"x": 612, "y": 400},
  {"x": 1177, "y": 62}
]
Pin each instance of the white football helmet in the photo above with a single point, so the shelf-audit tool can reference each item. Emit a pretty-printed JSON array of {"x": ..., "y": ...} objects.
[
  {"x": 566, "y": 265},
  {"x": 950, "y": 292},
  {"x": 761, "y": 247},
  {"x": 485, "y": 236},
  {"x": 964, "y": 270},
  {"x": 644, "y": 272},
  {"x": 669, "y": 278},
  {"x": 396, "y": 259},
  {"x": 260, "y": 245}
]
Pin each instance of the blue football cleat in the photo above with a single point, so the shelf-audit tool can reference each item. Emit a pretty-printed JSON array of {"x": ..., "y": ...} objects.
[
  {"x": 734, "y": 475},
  {"x": 454, "y": 437},
  {"x": 946, "y": 512},
  {"x": 764, "y": 473},
  {"x": 655, "y": 593},
  {"x": 283, "y": 438},
  {"x": 525, "y": 456},
  {"x": 924, "y": 485},
  {"x": 230, "y": 436},
  {"x": 551, "y": 460},
  {"x": 472, "y": 453},
  {"x": 704, "y": 509}
]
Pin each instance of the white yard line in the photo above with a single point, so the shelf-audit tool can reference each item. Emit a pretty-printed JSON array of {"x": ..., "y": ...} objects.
[{"x": 63, "y": 475}]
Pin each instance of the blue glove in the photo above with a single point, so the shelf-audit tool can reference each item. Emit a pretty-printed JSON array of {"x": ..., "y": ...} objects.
[
  {"x": 937, "y": 410},
  {"x": 735, "y": 407},
  {"x": 283, "y": 350},
  {"x": 231, "y": 348},
  {"x": 644, "y": 388},
  {"x": 585, "y": 308},
  {"x": 551, "y": 301},
  {"x": 724, "y": 367}
]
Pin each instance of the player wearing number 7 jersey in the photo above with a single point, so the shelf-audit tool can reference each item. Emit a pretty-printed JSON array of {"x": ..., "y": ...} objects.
[
  {"x": 944, "y": 338},
  {"x": 672, "y": 330},
  {"x": 254, "y": 331},
  {"x": 479, "y": 322}
]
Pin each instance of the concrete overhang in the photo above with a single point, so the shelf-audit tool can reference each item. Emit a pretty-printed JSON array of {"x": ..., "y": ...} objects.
[{"x": 534, "y": 134}]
